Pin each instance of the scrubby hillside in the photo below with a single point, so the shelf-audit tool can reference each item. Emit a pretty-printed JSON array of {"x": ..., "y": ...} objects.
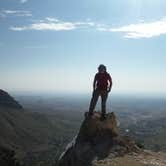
[
  {"x": 35, "y": 137},
  {"x": 8, "y": 101},
  {"x": 20, "y": 128}
]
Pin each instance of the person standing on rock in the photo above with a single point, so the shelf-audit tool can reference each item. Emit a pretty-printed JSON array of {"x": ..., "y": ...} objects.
[{"x": 102, "y": 85}]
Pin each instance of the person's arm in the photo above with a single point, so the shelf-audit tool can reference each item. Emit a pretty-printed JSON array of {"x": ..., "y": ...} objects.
[
  {"x": 94, "y": 82},
  {"x": 110, "y": 83}
]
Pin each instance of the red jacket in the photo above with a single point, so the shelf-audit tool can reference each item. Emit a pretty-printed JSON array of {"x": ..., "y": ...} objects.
[{"x": 101, "y": 81}]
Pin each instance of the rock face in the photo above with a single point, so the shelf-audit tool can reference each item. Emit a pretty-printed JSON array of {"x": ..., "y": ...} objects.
[
  {"x": 7, "y": 101},
  {"x": 97, "y": 140}
]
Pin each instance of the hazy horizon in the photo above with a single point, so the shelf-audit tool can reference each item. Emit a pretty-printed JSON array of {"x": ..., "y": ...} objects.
[{"x": 86, "y": 94}]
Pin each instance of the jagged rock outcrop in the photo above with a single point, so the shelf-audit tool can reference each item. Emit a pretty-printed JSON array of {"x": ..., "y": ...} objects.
[
  {"x": 7, "y": 101},
  {"x": 97, "y": 140}
]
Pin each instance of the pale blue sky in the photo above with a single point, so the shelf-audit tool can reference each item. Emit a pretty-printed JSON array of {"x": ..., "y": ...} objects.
[{"x": 57, "y": 45}]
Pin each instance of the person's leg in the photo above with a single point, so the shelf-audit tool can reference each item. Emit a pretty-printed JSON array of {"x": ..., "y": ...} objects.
[
  {"x": 93, "y": 102},
  {"x": 104, "y": 95}
]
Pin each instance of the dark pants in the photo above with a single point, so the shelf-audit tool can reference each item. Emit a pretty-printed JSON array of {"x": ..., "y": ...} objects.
[{"x": 94, "y": 99}]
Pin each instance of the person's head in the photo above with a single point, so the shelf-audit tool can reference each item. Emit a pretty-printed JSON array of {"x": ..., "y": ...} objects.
[{"x": 102, "y": 68}]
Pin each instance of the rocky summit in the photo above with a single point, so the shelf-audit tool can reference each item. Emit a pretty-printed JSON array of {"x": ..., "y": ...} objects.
[
  {"x": 7, "y": 101},
  {"x": 97, "y": 141}
]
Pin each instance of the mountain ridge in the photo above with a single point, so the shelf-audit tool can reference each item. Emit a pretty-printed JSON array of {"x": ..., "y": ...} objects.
[
  {"x": 8, "y": 101},
  {"x": 23, "y": 131},
  {"x": 36, "y": 138}
]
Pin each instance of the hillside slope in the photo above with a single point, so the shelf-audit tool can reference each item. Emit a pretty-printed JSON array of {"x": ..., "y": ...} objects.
[
  {"x": 34, "y": 136},
  {"x": 8, "y": 101},
  {"x": 20, "y": 128}
]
